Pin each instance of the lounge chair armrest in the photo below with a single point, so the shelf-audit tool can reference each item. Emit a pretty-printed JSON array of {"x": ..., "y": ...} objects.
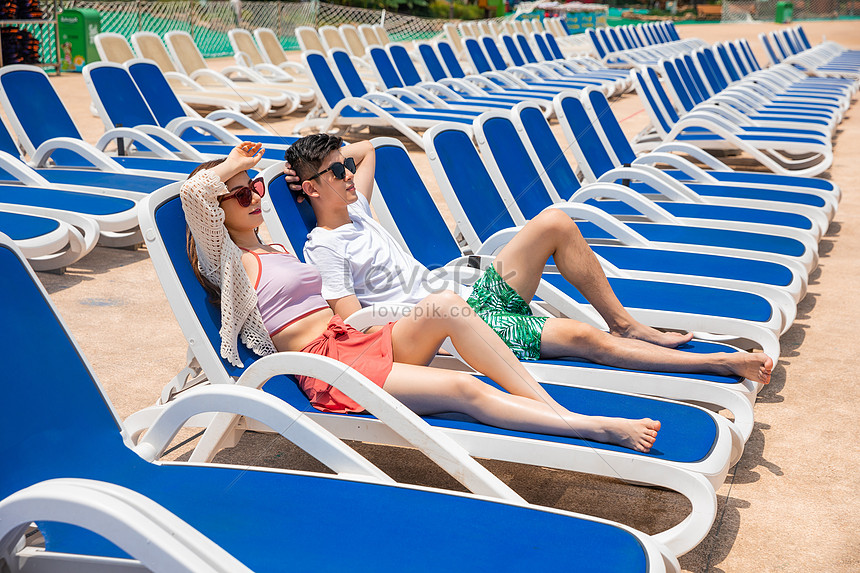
[
  {"x": 147, "y": 134},
  {"x": 271, "y": 71},
  {"x": 439, "y": 447},
  {"x": 142, "y": 528},
  {"x": 430, "y": 99},
  {"x": 243, "y": 59},
  {"x": 381, "y": 99},
  {"x": 212, "y": 77},
  {"x": 696, "y": 153},
  {"x": 274, "y": 413},
  {"x": 184, "y": 80},
  {"x": 245, "y": 74},
  {"x": 226, "y": 114},
  {"x": 618, "y": 229},
  {"x": 180, "y": 125},
  {"x": 93, "y": 154},
  {"x": 21, "y": 171},
  {"x": 693, "y": 171},
  {"x": 293, "y": 67},
  {"x": 656, "y": 180},
  {"x": 636, "y": 200},
  {"x": 377, "y": 314}
]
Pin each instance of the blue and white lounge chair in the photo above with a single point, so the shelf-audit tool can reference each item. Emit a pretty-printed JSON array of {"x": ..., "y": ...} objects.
[
  {"x": 259, "y": 517},
  {"x": 775, "y": 153},
  {"x": 817, "y": 207},
  {"x": 504, "y": 143},
  {"x": 137, "y": 95},
  {"x": 50, "y": 239},
  {"x": 413, "y": 219},
  {"x": 199, "y": 321},
  {"x": 619, "y": 153},
  {"x": 357, "y": 112},
  {"x": 655, "y": 223}
]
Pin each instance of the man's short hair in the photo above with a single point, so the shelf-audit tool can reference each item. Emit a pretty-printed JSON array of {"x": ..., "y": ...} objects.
[{"x": 306, "y": 155}]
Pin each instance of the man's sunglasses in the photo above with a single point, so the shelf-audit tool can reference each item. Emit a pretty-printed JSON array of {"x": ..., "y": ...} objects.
[
  {"x": 242, "y": 195},
  {"x": 338, "y": 169}
]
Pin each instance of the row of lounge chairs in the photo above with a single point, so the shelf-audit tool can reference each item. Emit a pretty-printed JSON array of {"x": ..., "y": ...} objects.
[
  {"x": 639, "y": 45},
  {"x": 721, "y": 252},
  {"x": 828, "y": 59}
]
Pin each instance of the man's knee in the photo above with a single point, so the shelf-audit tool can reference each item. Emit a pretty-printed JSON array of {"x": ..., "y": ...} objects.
[
  {"x": 445, "y": 302},
  {"x": 555, "y": 221}
]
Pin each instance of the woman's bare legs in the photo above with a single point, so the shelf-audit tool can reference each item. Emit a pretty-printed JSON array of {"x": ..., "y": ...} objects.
[
  {"x": 431, "y": 391},
  {"x": 554, "y": 234},
  {"x": 565, "y": 337},
  {"x": 417, "y": 337}
]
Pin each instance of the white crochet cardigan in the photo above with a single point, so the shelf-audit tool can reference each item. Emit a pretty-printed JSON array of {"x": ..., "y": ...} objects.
[{"x": 220, "y": 261}]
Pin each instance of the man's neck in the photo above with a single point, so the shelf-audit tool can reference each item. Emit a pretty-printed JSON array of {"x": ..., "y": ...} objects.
[{"x": 333, "y": 218}]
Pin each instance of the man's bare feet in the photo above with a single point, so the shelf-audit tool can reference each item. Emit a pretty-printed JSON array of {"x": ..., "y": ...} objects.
[
  {"x": 755, "y": 366},
  {"x": 640, "y": 331},
  {"x": 637, "y": 435}
]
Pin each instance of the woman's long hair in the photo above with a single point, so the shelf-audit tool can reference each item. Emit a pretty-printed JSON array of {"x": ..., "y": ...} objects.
[{"x": 213, "y": 290}]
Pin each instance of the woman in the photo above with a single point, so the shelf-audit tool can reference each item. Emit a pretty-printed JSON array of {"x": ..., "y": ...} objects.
[{"x": 274, "y": 303}]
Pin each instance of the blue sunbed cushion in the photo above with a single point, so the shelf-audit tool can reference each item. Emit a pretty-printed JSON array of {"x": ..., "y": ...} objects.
[
  {"x": 85, "y": 203},
  {"x": 20, "y": 227}
]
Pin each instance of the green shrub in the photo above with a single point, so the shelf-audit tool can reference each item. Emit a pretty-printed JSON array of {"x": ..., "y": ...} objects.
[{"x": 442, "y": 9}]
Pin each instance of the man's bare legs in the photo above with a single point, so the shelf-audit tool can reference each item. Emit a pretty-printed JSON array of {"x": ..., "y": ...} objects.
[
  {"x": 634, "y": 345},
  {"x": 429, "y": 391},
  {"x": 528, "y": 407},
  {"x": 565, "y": 337},
  {"x": 554, "y": 234}
]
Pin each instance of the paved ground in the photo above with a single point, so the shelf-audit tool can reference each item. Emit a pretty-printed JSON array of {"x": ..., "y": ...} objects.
[{"x": 791, "y": 502}]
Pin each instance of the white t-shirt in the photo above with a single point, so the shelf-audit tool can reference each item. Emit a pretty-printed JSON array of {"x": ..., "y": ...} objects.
[{"x": 361, "y": 258}]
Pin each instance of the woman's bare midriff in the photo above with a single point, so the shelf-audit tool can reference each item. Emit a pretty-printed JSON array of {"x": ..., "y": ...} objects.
[{"x": 300, "y": 333}]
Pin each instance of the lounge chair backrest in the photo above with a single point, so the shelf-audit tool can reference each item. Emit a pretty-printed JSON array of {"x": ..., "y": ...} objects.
[
  {"x": 331, "y": 38},
  {"x": 765, "y": 40},
  {"x": 748, "y": 53},
  {"x": 591, "y": 155},
  {"x": 382, "y": 34},
  {"x": 468, "y": 188},
  {"x": 431, "y": 61},
  {"x": 113, "y": 47},
  {"x": 513, "y": 50},
  {"x": 49, "y": 388},
  {"x": 476, "y": 56},
  {"x": 353, "y": 40},
  {"x": 369, "y": 34},
  {"x": 596, "y": 42},
  {"x": 415, "y": 215},
  {"x": 544, "y": 50},
  {"x": 297, "y": 219},
  {"x": 330, "y": 89},
  {"x": 521, "y": 184},
  {"x": 450, "y": 60},
  {"x": 309, "y": 39},
  {"x": 453, "y": 36},
  {"x": 385, "y": 68},
  {"x": 736, "y": 57},
  {"x": 535, "y": 130},
  {"x": 552, "y": 44},
  {"x": 153, "y": 86},
  {"x": 484, "y": 28},
  {"x": 350, "y": 76},
  {"x": 271, "y": 47},
  {"x": 802, "y": 34},
  {"x": 116, "y": 96},
  {"x": 649, "y": 99},
  {"x": 678, "y": 87},
  {"x": 720, "y": 72},
  {"x": 404, "y": 64},
  {"x": 466, "y": 30},
  {"x": 525, "y": 48},
  {"x": 605, "y": 119},
  {"x": 697, "y": 76},
  {"x": 7, "y": 142},
  {"x": 184, "y": 51},
  {"x": 36, "y": 112},
  {"x": 149, "y": 45},
  {"x": 493, "y": 53},
  {"x": 242, "y": 41}
]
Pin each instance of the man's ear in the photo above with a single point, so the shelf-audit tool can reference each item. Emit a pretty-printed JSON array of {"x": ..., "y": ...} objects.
[{"x": 309, "y": 189}]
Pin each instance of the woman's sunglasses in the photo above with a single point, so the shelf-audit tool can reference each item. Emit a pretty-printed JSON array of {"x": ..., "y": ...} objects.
[
  {"x": 338, "y": 169},
  {"x": 242, "y": 195}
]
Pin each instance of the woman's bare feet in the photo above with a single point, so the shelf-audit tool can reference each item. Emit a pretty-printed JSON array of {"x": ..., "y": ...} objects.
[
  {"x": 640, "y": 331},
  {"x": 755, "y": 366},
  {"x": 637, "y": 435}
]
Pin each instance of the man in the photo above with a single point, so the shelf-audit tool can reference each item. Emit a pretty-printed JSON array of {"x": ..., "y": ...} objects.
[{"x": 361, "y": 264}]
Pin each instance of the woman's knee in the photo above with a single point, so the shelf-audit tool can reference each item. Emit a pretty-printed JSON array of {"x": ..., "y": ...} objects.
[{"x": 467, "y": 389}]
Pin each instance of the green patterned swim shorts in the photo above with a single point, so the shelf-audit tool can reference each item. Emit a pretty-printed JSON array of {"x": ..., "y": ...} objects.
[{"x": 508, "y": 314}]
